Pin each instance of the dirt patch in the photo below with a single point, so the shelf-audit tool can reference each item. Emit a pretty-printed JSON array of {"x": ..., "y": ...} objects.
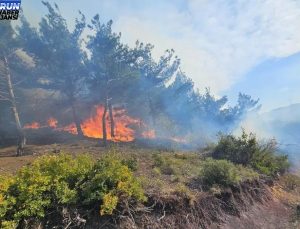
[{"x": 270, "y": 215}]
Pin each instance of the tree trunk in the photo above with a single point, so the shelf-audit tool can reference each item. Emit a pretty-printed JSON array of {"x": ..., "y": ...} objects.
[
  {"x": 152, "y": 112},
  {"x": 76, "y": 120},
  {"x": 112, "y": 122},
  {"x": 12, "y": 98},
  {"x": 104, "y": 132}
]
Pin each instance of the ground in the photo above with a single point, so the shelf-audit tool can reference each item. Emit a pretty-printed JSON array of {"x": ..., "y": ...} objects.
[{"x": 165, "y": 172}]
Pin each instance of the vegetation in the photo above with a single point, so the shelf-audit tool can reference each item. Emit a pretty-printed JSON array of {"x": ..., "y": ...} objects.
[
  {"x": 224, "y": 173},
  {"x": 56, "y": 182},
  {"x": 210, "y": 171},
  {"x": 247, "y": 151},
  {"x": 74, "y": 73},
  {"x": 62, "y": 180},
  {"x": 290, "y": 181},
  {"x": 179, "y": 165}
]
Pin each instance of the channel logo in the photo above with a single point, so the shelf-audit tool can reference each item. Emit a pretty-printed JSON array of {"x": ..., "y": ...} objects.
[{"x": 9, "y": 9}]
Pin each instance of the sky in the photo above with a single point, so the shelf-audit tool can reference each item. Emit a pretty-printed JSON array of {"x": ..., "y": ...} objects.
[{"x": 229, "y": 46}]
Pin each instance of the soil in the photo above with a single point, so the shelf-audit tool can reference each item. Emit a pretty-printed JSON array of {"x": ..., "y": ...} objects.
[{"x": 249, "y": 206}]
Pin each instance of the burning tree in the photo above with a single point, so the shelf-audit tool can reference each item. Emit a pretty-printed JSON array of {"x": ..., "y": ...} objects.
[
  {"x": 110, "y": 69},
  {"x": 157, "y": 94},
  {"x": 8, "y": 47},
  {"x": 58, "y": 55}
]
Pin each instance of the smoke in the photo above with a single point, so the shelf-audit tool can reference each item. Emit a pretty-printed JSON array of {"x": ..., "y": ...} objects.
[{"x": 283, "y": 124}]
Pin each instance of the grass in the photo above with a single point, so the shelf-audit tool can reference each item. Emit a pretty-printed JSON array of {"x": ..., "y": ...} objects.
[
  {"x": 172, "y": 174},
  {"x": 161, "y": 171}
]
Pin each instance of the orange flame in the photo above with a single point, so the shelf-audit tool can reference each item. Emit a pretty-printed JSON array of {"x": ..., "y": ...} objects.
[
  {"x": 34, "y": 125},
  {"x": 52, "y": 122},
  {"x": 92, "y": 127}
]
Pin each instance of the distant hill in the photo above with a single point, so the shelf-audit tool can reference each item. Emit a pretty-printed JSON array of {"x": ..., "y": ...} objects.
[
  {"x": 284, "y": 114},
  {"x": 284, "y": 124}
]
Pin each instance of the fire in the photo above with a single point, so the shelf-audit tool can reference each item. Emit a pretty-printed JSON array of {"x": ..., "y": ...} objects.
[
  {"x": 52, "y": 122},
  {"x": 34, "y": 125},
  {"x": 92, "y": 127}
]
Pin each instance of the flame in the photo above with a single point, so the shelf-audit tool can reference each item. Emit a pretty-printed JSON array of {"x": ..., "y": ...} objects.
[
  {"x": 52, "y": 122},
  {"x": 70, "y": 128},
  {"x": 34, "y": 125},
  {"x": 92, "y": 127}
]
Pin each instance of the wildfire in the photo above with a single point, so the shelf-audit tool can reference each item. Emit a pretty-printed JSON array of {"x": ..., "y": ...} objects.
[
  {"x": 34, "y": 125},
  {"x": 52, "y": 122},
  {"x": 92, "y": 127}
]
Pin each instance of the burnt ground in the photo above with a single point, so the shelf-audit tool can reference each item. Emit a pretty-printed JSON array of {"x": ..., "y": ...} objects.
[{"x": 276, "y": 210}]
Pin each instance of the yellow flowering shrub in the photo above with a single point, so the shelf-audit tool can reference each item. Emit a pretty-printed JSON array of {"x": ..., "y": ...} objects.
[
  {"x": 110, "y": 202},
  {"x": 62, "y": 180},
  {"x": 110, "y": 181}
]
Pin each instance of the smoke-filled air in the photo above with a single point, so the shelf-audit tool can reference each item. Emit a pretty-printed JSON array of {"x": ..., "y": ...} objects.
[{"x": 168, "y": 115}]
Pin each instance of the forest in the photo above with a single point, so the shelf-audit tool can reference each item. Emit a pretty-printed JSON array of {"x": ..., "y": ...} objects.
[
  {"x": 79, "y": 78},
  {"x": 95, "y": 133}
]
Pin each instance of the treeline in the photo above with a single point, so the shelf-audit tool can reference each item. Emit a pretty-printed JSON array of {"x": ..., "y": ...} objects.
[{"x": 90, "y": 65}]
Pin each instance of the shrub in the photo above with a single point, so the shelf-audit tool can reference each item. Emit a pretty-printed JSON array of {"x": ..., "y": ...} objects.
[
  {"x": 131, "y": 162},
  {"x": 219, "y": 172},
  {"x": 6, "y": 201},
  {"x": 49, "y": 181},
  {"x": 165, "y": 164},
  {"x": 238, "y": 150},
  {"x": 62, "y": 180},
  {"x": 246, "y": 150},
  {"x": 269, "y": 163},
  {"x": 109, "y": 181}
]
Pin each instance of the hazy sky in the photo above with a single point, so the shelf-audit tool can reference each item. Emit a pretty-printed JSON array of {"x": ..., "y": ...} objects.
[{"x": 227, "y": 45}]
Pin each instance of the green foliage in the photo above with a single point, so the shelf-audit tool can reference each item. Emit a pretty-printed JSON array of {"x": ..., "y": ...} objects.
[
  {"x": 61, "y": 180},
  {"x": 182, "y": 166},
  {"x": 165, "y": 165},
  {"x": 246, "y": 150},
  {"x": 131, "y": 162},
  {"x": 101, "y": 69},
  {"x": 268, "y": 163},
  {"x": 219, "y": 172},
  {"x": 247, "y": 173},
  {"x": 6, "y": 201},
  {"x": 49, "y": 181},
  {"x": 109, "y": 181},
  {"x": 239, "y": 150}
]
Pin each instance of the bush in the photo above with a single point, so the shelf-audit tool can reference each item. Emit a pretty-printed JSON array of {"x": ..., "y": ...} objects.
[
  {"x": 239, "y": 150},
  {"x": 219, "y": 172},
  {"x": 131, "y": 162},
  {"x": 165, "y": 164},
  {"x": 246, "y": 150},
  {"x": 109, "y": 181},
  {"x": 62, "y": 180},
  {"x": 269, "y": 163},
  {"x": 6, "y": 201},
  {"x": 48, "y": 182}
]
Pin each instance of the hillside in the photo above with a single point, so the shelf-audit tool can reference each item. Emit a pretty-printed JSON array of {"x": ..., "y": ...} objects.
[{"x": 176, "y": 197}]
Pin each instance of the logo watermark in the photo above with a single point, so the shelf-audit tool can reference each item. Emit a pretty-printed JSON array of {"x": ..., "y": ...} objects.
[{"x": 9, "y": 9}]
